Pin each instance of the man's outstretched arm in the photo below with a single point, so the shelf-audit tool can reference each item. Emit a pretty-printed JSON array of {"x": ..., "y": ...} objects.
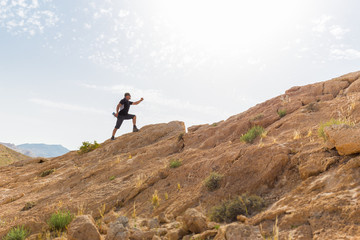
[{"x": 137, "y": 102}]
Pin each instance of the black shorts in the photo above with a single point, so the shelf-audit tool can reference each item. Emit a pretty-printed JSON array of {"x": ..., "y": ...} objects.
[{"x": 121, "y": 118}]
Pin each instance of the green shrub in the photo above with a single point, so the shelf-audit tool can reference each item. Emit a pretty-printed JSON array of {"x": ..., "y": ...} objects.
[
  {"x": 253, "y": 203},
  {"x": 241, "y": 205},
  {"x": 28, "y": 205},
  {"x": 17, "y": 233},
  {"x": 181, "y": 137},
  {"x": 60, "y": 220},
  {"x": 257, "y": 117},
  {"x": 312, "y": 107},
  {"x": 212, "y": 182},
  {"x": 88, "y": 147},
  {"x": 112, "y": 178},
  {"x": 281, "y": 113},
  {"x": 329, "y": 123},
  {"x": 252, "y": 134},
  {"x": 175, "y": 163},
  {"x": 47, "y": 172},
  {"x": 218, "y": 213},
  {"x": 235, "y": 207}
]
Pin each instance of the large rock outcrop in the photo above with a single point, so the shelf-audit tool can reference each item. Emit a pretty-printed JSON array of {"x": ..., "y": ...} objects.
[{"x": 345, "y": 138}]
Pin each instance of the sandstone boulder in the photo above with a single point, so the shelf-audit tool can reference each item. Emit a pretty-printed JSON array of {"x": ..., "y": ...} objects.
[
  {"x": 137, "y": 234},
  {"x": 163, "y": 218},
  {"x": 236, "y": 231},
  {"x": 118, "y": 229},
  {"x": 175, "y": 234},
  {"x": 345, "y": 138},
  {"x": 208, "y": 234},
  {"x": 153, "y": 223},
  {"x": 194, "y": 221},
  {"x": 83, "y": 228}
]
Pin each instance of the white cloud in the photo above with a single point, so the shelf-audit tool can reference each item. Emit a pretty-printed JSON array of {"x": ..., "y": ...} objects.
[
  {"x": 27, "y": 17},
  {"x": 338, "y": 32},
  {"x": 87, "y": 26},
  {"x": 321, "y": 23},
  {"x": 345, "y": 54},
  {"x": 66, "y": 106},
  {"x": 123, "y": 13}
]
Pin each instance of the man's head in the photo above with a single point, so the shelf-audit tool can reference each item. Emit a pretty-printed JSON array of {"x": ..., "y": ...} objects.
[{"x": 127, "y": 96}]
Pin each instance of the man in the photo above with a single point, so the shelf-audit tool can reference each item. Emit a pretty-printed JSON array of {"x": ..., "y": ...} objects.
[{"x": 124, "y": 106}]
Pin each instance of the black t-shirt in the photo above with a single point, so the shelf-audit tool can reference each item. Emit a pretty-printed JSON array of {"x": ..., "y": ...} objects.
[{"x": 125, "y": 106}]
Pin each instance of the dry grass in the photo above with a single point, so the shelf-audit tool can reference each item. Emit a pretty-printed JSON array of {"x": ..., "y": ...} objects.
[
  {"x": 140, "y": 179},
  {"x": 155, "y": 199},
  {"x": 297, "y": 135},
  {"x": 332, "y": 122}
]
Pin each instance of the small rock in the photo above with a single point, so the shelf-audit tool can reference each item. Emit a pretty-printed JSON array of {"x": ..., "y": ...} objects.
[
  {"x": 103, "y": 229},
  {"x": 155, "y": 237},
  {"x": 213, "y": 225},
  {"x": 209, "y": 234},
  {"x": 143, "y": 223},
  {"x": 161, "y": 231},
  {"x": 241, "y": 218},
  {"x": 117, "y": 230},
  {"x": 162, "y": 218},
  {"x": 83, "y": 228},
  {"x": 142, "y": 235},
  {"x": 187, "y": 237},
  {"x": 175, "y": 234},
  {"x": 172, "y": 225},
  {"x": 153, "y": 223},
  {"x": 123, "y": 220},
  {"x": 194, "y": 221},
  {"x": 238, "y": 231},
  {"x": 110, "y": 217}
]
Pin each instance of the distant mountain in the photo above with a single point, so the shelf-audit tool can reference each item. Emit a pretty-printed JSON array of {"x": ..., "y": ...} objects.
[
  {"x": 38, "y": 149},
  {"x": 15, "y": 148},
  {"x": 43, "y": 150}
]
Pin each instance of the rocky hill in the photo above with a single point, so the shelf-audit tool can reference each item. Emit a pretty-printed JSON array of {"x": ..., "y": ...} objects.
[
  {"x": 8, "y": 156},
  {"x": 306, "y": 172}
]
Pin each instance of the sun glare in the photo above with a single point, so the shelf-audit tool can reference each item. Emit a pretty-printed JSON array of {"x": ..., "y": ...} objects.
[{"x": 219, "y": 26}]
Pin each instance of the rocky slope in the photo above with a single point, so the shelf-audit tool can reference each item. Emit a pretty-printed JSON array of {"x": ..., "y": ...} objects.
[
  {"x": 8, "y": 156},
  {"x": 311, "y": 186}
]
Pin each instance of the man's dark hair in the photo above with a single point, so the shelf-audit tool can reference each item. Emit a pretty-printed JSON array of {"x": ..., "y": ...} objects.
[{"x": 127, "y": 94}]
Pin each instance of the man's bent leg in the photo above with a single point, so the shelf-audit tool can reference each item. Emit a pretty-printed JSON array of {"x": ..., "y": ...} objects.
[
  {"x": 117, "y": 126},
  {"x": 135, "y": 129},
  {"x": 114, "y": 132}
]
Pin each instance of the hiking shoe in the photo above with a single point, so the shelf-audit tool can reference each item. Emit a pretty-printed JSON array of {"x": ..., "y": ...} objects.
[
  {"x": 112, "y": 138},
  {"x": 135, "y": 129}
]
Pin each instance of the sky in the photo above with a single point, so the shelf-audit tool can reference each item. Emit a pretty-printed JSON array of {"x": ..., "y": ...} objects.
[{"x": 65, "y": 64}]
